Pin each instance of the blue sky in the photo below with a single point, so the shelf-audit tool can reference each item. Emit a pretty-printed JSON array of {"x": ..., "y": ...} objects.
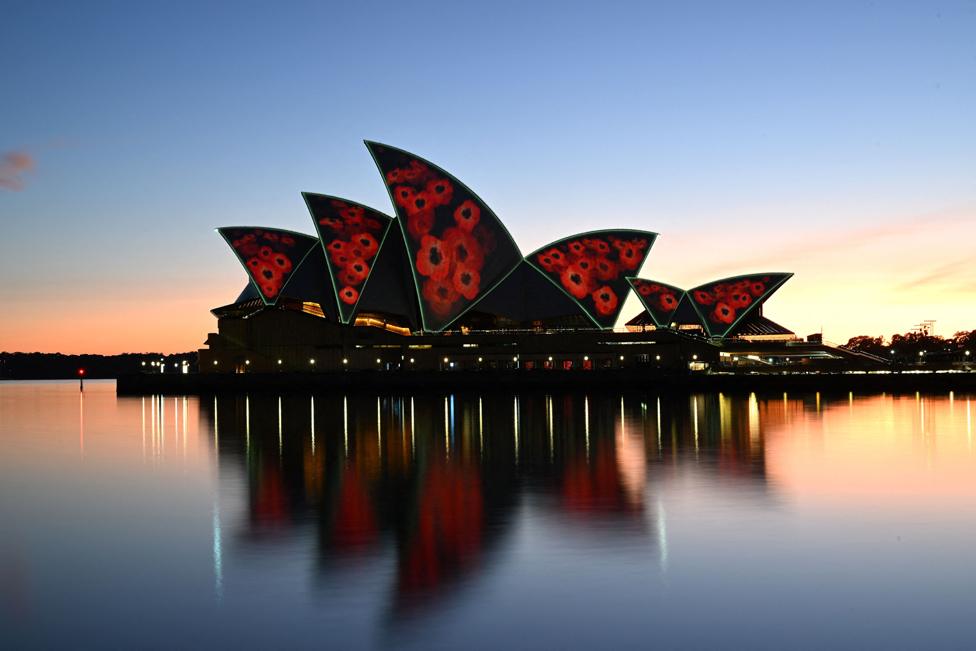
[{"x": 734, "y": 129}]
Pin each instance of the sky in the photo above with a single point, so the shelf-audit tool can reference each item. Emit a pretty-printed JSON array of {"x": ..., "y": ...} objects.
[{"x": 833, "y": 140}]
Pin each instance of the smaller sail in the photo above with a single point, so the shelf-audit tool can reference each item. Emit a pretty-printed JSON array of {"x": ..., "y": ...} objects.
[
  {"x": 722, "y": 304},
  {"x": 352, "y": 235},
  {"x": 659, "y": 299},
  {"x": 269, "y": 255},
  {"x": 592, "y": 268}
]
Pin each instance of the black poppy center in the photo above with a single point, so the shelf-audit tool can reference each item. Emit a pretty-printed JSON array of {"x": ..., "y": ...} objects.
[
  {"x": 576, "y": 279},
  {"x": 420, "y": 203},
  {"x": 605, "y": 297},
  {"x": 435, "y": 256},
  {"x": 462, "y": 252},
  {"x": 466, "y": 213}
]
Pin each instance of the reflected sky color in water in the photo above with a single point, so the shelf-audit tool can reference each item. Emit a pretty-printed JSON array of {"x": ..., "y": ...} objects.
[{"x": 480, "y": 521}]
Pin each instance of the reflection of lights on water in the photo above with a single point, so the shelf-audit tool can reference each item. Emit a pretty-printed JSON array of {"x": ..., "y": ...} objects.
[
  {"x": 345, "y": 425},
  {"x": 281, "y": 442},
  {"x": 694, "y": 419},
  {"x": 379, "y": 427},
  {"x": 217, "y": 554},
  {"x": 586, "y": 424},
  {"x": 552, "y": 448},
  {"x": 81, "y": 422},
  {"x": 657, "y": 412},
  {"x": 247, "y": 425},
  {"x": 481, "y": 428},
  {"x": 184, "y": 427},
  {"x": 312, "y": 400},
  {"x": 515, "y": 420},
  {"x": 144, "y": 424},
  {"x": 623, "y": 425},
  {"x": 753, "y": 418},
  {"x": 216, "y": 433},
  {"x": 818, "y": 402},
  {"x": 662, "y": 535},
  {"x": 969, "y": 426},
  {"x": 413, "y": 441},
  {"x": 447, "y": 433}
]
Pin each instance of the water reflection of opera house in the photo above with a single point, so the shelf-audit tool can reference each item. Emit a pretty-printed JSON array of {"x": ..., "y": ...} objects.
[{"x": 440, "y": 479}]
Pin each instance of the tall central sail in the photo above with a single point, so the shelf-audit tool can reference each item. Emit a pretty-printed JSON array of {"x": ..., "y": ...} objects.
[{"x": 459, "y": 249}]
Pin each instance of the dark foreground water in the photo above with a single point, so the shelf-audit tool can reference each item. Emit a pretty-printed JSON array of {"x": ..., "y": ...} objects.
[{"x": 483, "y": 522}]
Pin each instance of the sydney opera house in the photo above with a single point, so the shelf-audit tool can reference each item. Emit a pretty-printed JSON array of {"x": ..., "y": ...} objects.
[{"x": 443, "y": 285}]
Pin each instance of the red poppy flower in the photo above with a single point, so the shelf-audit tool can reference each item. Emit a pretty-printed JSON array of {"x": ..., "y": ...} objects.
[
  {"x": 420, "y": 204},
  {"x": 467, "y": 281},
  {"x": 547, "y": 263},
  {"x": 340, "y": 259},
  {"x": 646, "y": 289},
  {"x": 605, "y": 301},
  {"x": 265, "y": 252},
  {"x": 403, "y": 195},
  {"x": 366, "y": 243},
  {"x": 440, "y": 296},
  {"x": 667, "y": 301},
  {"x": 348, "y": 295},
  {"x": 467, "y": 215},
  {"x": 576, "y": 248},
  {"x": 721, "y": 290},
  {"x": 558, "y": 258},
  {"x": 336, "y": 246},
  {"x": 338, "y": 203},
  {"x": 723, "y": 313},
  {"x": 357, "y": 270},
  {"x": 738, "y": 300},
  {"x": 440, "y": 191},
  {"x": 703, "y": 297},
  {"x": 597, "y": 245},
  {"x": 347, "y": 278},
  {"x": 464, "y": 248},
  {"x": 617, "y": 242},
  {"x": 415, "y": 172},
  {"x": 433, "y": 258},
  {"x": 353, "y": 215},
  {"x": 576, "y": 281},
  {"x": 282, "y": 262},
  {"x": 267, "y": 276},
  {"x": 372, "y": 225},
  {"x": 606, "y": 269},
  {"x": 394, "y": 176},
  {"x": 420, "y": 225},
  {"x": 630, "y": 256},
  {"x": 271, "y": 237},
  {"x": 639, "y": 242},
  {"x": 250, "y": 237},
  {"x": 757, "y": 288}
]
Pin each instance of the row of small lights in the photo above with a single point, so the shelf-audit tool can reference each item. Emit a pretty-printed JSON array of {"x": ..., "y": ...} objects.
[{"x": 345, "y": 360}]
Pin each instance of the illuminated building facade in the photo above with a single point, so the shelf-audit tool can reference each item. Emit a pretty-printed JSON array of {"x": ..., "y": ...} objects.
[{"x": 441, "y": 284}]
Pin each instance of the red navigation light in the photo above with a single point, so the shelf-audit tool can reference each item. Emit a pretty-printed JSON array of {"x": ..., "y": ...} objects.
[{"x": 81, "y": 371}]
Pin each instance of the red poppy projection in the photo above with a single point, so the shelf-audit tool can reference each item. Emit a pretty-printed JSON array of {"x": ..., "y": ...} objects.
[
  {"x": 351, "y": 235},
  {"x": 269, "y": 255},
  {"x": 593, "y": 267},
  {"x": 659, "y": 299},
  {"x": 458, "y": 247},
  {"x": 723, "y": 303}
]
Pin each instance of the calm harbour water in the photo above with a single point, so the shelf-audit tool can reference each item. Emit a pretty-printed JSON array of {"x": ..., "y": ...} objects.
[{"x": 481, "y": 522}]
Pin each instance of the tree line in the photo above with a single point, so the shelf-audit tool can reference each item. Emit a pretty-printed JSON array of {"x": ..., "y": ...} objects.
[{"x": 914, "y": 345}]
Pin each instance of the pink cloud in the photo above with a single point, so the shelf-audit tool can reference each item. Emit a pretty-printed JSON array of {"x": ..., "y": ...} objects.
[{"x": 12, "y": 168}]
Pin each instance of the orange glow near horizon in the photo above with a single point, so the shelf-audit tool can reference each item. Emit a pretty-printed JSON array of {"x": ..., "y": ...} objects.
[
  {"x": 886, "y": 449},
  {"x": 874, "y": 281}
]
